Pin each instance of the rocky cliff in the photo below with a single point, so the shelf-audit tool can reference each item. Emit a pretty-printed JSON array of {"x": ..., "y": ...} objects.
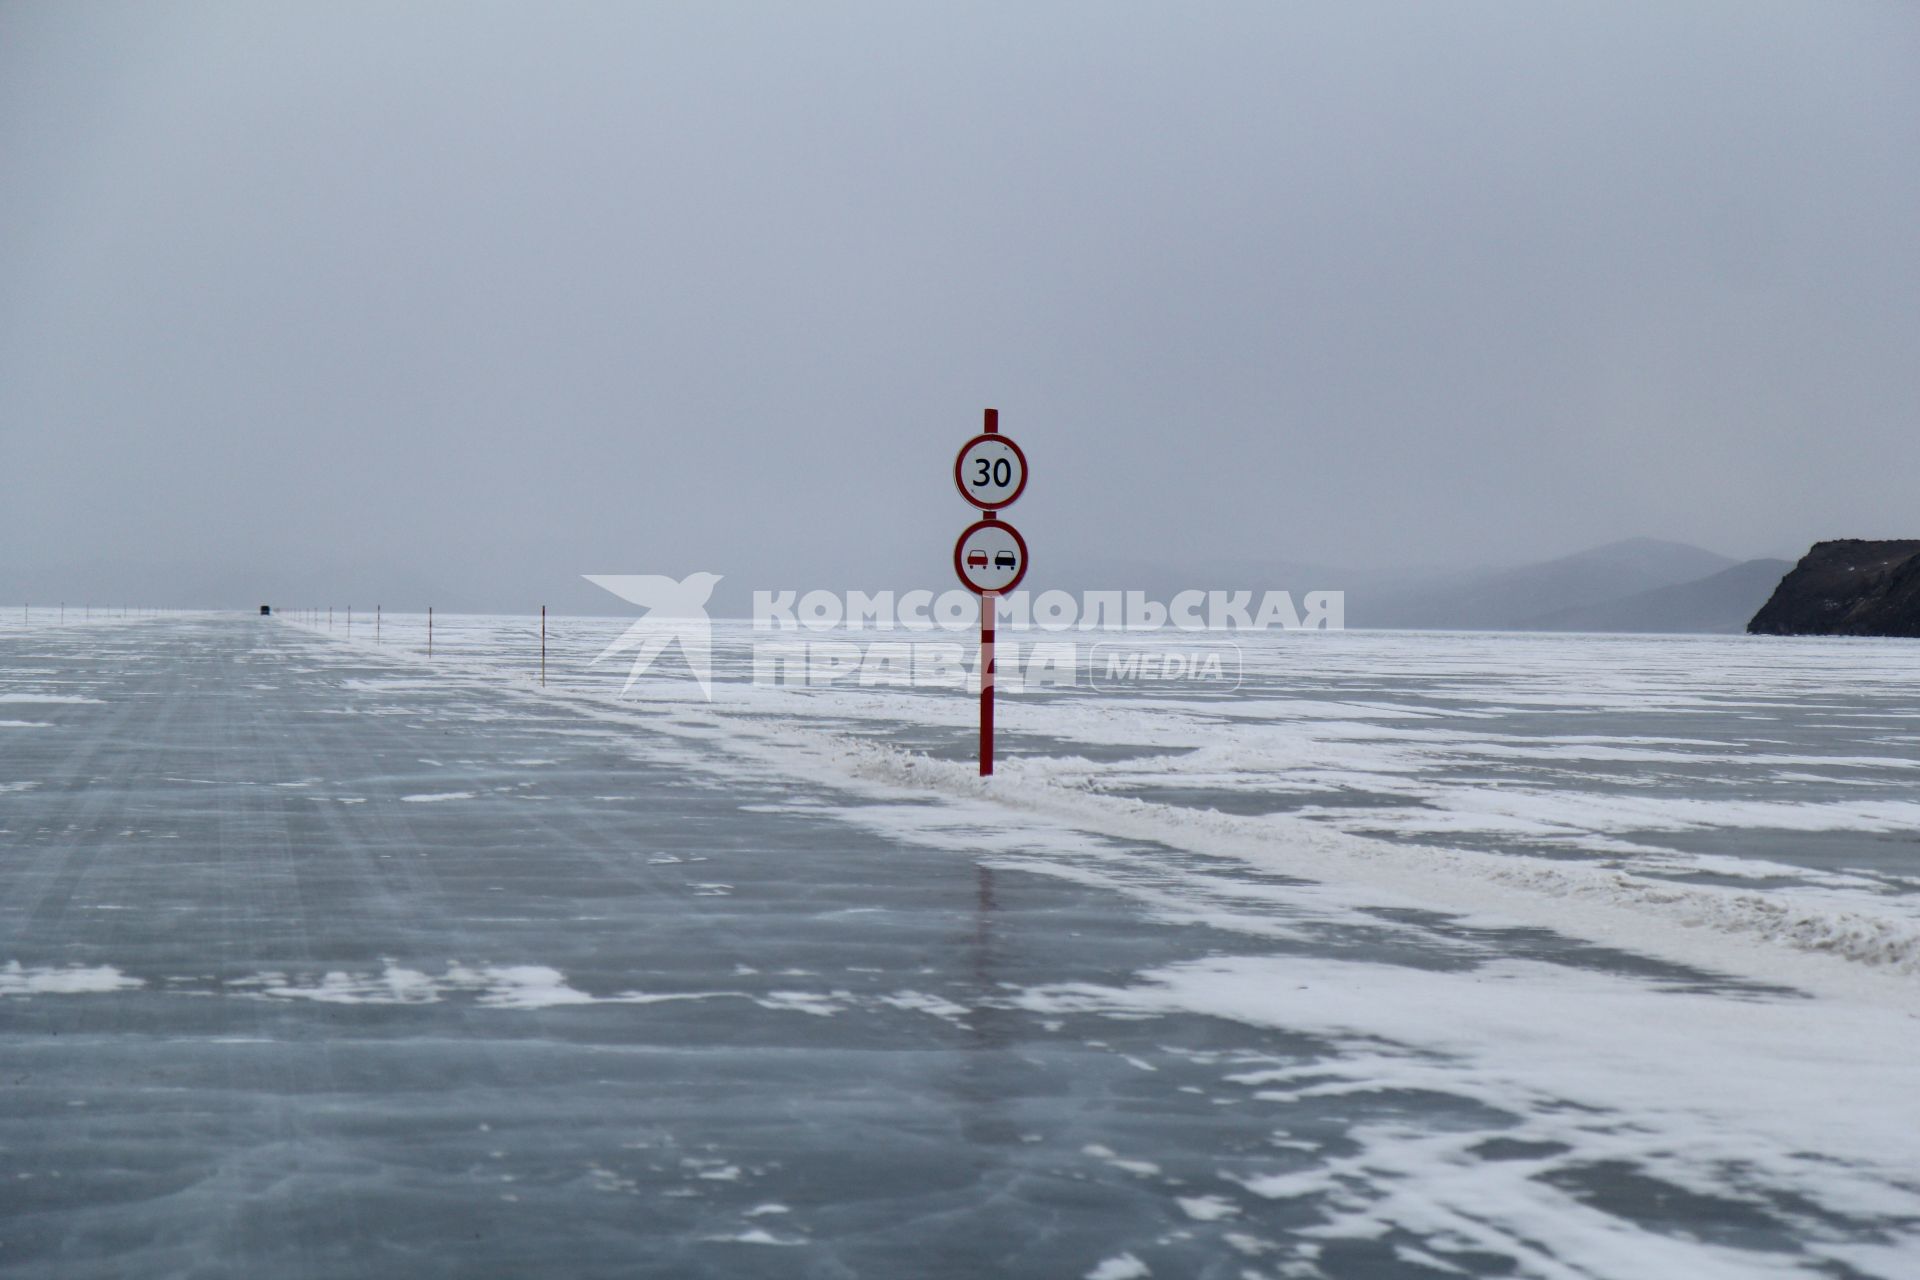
[{"x": 1847, "y": 587}]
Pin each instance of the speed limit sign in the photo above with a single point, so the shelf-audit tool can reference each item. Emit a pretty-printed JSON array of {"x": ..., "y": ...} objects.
[{"x": 991, "y": 471}]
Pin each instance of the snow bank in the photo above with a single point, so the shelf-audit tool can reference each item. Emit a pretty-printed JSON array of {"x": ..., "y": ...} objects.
[{"x": 1449, "y": 877}]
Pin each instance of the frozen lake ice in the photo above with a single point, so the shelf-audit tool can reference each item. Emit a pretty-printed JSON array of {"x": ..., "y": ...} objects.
[{"x": 1415, "y": 955}]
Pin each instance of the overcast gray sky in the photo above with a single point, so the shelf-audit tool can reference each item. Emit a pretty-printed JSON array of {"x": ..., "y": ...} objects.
[{"x": 472, "y": 298}]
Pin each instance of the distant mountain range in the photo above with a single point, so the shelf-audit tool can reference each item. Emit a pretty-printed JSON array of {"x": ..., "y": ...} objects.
[
  {"x": 1640, "y": 584},
  {"x": 1719, "y": 602},
  {"x": 1519, "y": 598}
]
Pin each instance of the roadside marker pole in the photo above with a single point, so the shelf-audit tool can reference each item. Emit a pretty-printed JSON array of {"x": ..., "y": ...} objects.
[
  {"x": 990, "y": 557},
  {"x": 989, "y": 614}
]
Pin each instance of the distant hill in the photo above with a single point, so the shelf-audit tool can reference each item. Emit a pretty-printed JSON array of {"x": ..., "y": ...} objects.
[
  {"x": 1720, "y": 602},
  {"x": 1518, "y": 598},
  {"x": 1847, "y": 587}
]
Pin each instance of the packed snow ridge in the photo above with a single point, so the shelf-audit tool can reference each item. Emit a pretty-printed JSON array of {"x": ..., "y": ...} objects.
[{"x": 1296, "y": 846}]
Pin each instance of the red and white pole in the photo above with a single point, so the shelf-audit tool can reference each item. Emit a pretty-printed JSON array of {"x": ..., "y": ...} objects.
[{"x": 989, "y": 611}]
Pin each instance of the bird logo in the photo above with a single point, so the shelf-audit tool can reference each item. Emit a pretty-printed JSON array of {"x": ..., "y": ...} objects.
[{"x": 675, "y": 611}]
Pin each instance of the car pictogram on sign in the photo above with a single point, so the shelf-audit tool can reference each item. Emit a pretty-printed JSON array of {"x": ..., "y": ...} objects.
[{"x": 990, "y": 557}]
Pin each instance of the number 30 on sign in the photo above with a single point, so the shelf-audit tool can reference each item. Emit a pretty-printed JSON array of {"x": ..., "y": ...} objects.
[{"x": 991, "y": 471}]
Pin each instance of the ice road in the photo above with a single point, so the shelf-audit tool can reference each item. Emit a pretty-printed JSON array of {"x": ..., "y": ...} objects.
[{"x": 317, "y": 960}]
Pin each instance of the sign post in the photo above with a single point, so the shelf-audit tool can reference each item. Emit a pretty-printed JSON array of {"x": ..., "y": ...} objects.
[
  {"x": 990, "y": 556},
  {"x": 989, "y": 609}
]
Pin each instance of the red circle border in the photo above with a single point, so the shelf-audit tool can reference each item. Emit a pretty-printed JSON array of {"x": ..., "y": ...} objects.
[
  {"x": 959, "y": 569},
  {"x": 961, "y": 457}
]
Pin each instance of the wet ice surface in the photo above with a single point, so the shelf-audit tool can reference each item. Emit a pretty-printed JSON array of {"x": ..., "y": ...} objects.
[{"x": 317, "y": 960}]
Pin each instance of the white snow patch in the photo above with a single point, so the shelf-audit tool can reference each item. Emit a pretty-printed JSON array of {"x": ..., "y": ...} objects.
[
  {"x": 1207, "y": 1208},
  {"x": 921, "y": 1002},
  {"x": 72, "y": 980},
  {"x": 519, "y": 986},
  {"x": 756, "y": 1235},
  {"x": 1120, "y": 1267},
  {"x": 1595, "y": 1066},
  {"x": 801, "y": 1002},
  {"x": 1138, "y": 1168}
]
